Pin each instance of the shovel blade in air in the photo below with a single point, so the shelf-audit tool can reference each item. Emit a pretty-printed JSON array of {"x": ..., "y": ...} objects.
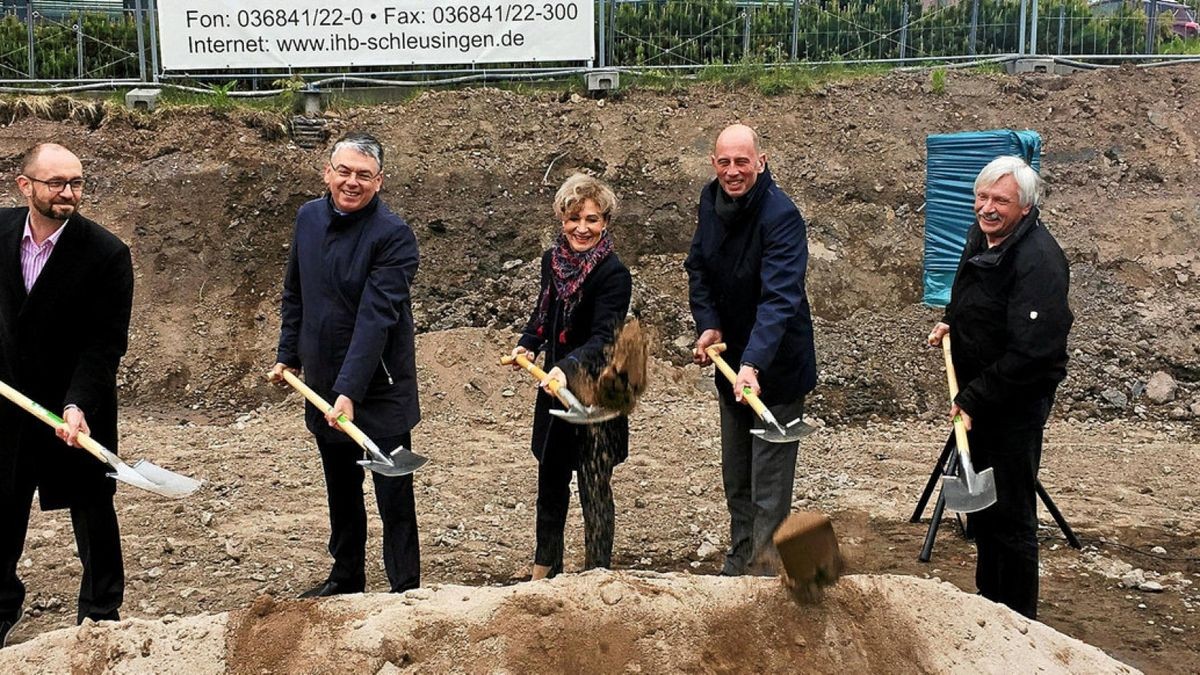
[
  {"x": 808, "y": 550},
  {"x": 794, "y": 431},
  {"x": 960, "y": 498},
  {"x": 153, "y": 478},
  {"x": 401, "y": 462},
  {"x": 589, "y": 415}
]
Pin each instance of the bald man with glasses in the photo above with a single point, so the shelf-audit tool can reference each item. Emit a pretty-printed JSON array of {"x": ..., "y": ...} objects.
[{"x": 66, "y": 292}]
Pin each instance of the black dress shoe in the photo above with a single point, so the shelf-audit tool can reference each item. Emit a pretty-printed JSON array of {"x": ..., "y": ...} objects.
[
  {"x": 328, "y": 588},
  {"x": 6, "y": 626}
]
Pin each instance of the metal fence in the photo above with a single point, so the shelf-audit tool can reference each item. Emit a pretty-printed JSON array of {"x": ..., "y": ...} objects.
[{"x": 59, "y": 44}]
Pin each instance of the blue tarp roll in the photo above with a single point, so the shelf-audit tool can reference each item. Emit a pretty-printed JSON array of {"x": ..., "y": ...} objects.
[{"x": 953, "y": 161}]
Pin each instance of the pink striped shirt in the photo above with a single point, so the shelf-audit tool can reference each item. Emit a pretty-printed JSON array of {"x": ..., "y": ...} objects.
[{"x": 34, "y": 256}]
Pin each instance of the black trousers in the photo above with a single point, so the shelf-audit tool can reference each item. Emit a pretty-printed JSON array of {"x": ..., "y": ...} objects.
[
  {"x": 1006, "y": 532},
  {"x": 758, "y": 477},
  {"x": 348, "y": 518},
  {"x": 594, "y": 465},
  {"x": 97, "y": 536}
]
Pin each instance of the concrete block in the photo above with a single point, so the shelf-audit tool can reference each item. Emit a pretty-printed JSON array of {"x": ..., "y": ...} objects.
[
  {"x": 142, "y": 99},
  {"x": 603, "y": 80}
]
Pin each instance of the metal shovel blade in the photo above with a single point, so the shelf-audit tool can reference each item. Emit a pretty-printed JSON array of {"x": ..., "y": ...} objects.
[
  {"x": 149, "y": 476},
  {"x": 586, "y": 415},
  {"x": 401, "y": 462},
  {"x": 775, "y": 433},
  {"x": 962, "y": 498}
]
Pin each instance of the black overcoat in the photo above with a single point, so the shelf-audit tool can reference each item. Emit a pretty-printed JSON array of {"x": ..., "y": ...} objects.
[
  {"x": 62, "y": 343},
  {"x": 598, "y": 316}
]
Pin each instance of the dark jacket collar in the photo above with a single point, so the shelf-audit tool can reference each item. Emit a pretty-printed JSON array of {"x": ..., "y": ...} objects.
[
  {"x": 340, "y": 220},
  {"x": 990, "y": 257}
]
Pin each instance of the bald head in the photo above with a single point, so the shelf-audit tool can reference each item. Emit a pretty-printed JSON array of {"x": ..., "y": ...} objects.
[
  {"x": 737, "y": 133},
  {"x": 737, "y": 159},
  {"x": 52, "y": 151}
]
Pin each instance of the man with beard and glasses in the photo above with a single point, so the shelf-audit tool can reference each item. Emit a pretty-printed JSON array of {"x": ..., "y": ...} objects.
[
  {"x": 66, "y": 292},
  {"x": 1008, "y": 321},
  {"x": 746, "y": 270},
  {"x": 347, "y": 322}
]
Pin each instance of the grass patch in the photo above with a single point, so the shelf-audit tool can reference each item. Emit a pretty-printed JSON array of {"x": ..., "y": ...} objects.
[
  {"x": 937, "y": 81},
  {"x": 787, "y": 79}
]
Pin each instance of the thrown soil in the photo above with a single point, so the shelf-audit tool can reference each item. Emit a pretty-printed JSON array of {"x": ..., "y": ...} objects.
[{"x": 206, "y": 202}]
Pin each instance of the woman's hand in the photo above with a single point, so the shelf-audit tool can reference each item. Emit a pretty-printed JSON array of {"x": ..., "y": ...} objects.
[
  {"x": 555, "y": 375},
  {"x": 521, "y": 351}
]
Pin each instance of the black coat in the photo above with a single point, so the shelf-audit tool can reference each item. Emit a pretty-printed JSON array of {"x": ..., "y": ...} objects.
[
  {"x": 746, "y": 278},
  {"x": 62, "y": 343},
  {"x": 1009, "y": 319},
  {"x": 347, "y": 316},
  {"x": 598, "y": 316}
]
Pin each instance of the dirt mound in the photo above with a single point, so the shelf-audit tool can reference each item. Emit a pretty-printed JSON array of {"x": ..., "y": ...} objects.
[{"x": 600, "y": 622}]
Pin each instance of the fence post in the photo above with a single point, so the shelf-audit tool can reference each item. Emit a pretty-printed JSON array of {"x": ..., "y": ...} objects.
[
  {"x": 29, "y": 25},
  {"x": 1033, "y": 30},
  {"x": 1062, "y": 20},
  {"x": 141, "y": 40},
  {"x": 600, "y": 41},
  {"x": 79, "y": 43},
  {"x": 1021, "y": 31},
  {"x": 153, "y": 9},
  {"x": 1152, "y": 28},
  {"x": 746, "y": 33},
  {"x": 971, "y": 44},
  {"x": 903, "y": 33},
  {"x": 795, "y": 30}
]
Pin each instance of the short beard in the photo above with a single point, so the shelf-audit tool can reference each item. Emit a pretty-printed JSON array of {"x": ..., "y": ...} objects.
[{"x": 47, "y": 210}]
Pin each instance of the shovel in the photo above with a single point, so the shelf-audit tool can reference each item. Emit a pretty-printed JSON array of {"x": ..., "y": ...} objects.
[
  {"x": 774, "y": 431},
  {"x": 143, "y": 474},
  {"x": 400, "y": 462},
  {"x": 576, "y": 412},
  {"x": 968, "y": 491}
]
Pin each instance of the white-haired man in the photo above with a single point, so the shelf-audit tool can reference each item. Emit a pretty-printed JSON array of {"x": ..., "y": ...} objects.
[{"x": 1009, "y": 319}]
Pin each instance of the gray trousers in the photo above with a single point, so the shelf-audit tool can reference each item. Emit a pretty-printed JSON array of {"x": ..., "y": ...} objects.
[{"x": 758, "y": 478}]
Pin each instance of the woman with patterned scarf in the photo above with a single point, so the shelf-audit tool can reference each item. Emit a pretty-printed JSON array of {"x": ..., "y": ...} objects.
[{"x": 584, "y": 297}]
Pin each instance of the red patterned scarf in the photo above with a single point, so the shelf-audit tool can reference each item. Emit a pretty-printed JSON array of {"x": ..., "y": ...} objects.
[{"x": 570, "y": 269}]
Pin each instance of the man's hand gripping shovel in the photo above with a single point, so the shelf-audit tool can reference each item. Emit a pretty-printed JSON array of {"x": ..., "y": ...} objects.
[
  {"x": 773, "y": 431},
  {"x": 967, "y": 492},
  {"x": 143, "y": 474},
  {"x": 576, "y": 412},
  {"x": 400, "y": 462}
]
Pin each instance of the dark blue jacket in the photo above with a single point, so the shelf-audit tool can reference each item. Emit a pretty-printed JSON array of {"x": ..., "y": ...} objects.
[
  {"x": 347, "y": 315},
  {"x": 746, "y": 278}
]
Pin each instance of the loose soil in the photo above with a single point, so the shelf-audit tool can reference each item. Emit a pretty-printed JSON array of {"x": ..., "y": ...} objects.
[{"x": 206, "y": 199}]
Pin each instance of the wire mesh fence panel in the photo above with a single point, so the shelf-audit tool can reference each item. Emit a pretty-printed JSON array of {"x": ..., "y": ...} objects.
[
  {"x": 54, "y": 40},
  {"x": 69, "y": 41}
]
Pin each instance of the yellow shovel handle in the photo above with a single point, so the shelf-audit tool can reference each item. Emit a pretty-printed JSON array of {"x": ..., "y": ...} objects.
[
  {"x": 87, "y": 442},
  {"x": 538, "y": 374},
  {"x": 960, "y": 431},
  {"x": 314, "y": 398},
  {"x": 714, "y": 353}
]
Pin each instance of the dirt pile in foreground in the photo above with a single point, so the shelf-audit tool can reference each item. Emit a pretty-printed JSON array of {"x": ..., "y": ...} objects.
[{"x": 603, "y": 622}]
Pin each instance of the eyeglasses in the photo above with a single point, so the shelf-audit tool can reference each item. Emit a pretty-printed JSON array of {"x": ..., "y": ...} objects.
[
  {"x": 57, "y": 184},
  {"x": 362, "y": 176}
]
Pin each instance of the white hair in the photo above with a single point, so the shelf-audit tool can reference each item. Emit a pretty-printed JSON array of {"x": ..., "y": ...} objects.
[{"x": 1029, "y": 183}]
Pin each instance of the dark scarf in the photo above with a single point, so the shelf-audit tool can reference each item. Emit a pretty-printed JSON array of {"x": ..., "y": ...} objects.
[
  {"x": 569, "y": 270},
  {"x": 731, "y": 211}
]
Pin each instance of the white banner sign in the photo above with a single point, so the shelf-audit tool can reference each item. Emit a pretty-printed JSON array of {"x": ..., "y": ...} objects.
[{"x": 226, "y": 34}]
